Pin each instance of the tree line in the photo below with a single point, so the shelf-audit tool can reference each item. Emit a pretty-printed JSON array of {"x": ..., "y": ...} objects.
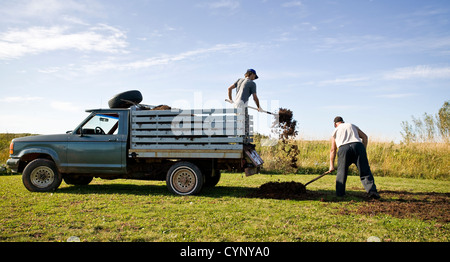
[{"x": 428, "y": 128}]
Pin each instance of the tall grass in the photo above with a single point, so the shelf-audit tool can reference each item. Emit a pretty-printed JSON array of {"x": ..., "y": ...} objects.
[
  {"x": 415, "y": 160},
  {"x": 412, "y": 160}
]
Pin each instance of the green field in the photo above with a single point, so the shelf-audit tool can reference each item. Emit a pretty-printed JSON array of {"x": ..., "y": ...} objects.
[
  {"x": 414, "y": 210},
  {"x": 413, "y": 179}
]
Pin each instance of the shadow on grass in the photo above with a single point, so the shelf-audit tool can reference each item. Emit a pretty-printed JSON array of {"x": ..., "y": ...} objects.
[
  {"x": 152, "y": 190},
  {"x": 125, "y": 189},
  {"x": 214, "y": 192}
]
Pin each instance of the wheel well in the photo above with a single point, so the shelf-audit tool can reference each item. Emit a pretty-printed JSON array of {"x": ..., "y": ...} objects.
[{"x": 24, "y": 160}]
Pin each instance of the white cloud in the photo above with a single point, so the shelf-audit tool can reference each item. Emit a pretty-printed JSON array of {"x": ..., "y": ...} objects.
[
  {"x": 228, "y": 4},
  {"x": 339, "y": 81},
  {"x": 421, "y": 71},
  {"x": 292, "y": 4},
  {"x": 341, "y": 107},
  {"x": 45, "y": 9},
  {"x": 221, "y": 7},
  {"x": 397, "y": 95},
  {"x": 74, "y": 20},
  {"x": 350, "y": 43},
  {"x": 49, "y": 70},
  {"x": 162, "y": 60},
  {"x": 16, "y": 43},
  {"x": 65, "y": 106},
  {"x": 308, "y": 26},
  {"x": 50, "y": 6},
  {"x": 16, "y": 99}
]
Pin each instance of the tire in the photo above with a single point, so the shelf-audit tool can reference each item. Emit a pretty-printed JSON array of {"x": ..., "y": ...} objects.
[
  {"x": 212, "y": 179},
  {"x": 41, "y": 175},
  {"x": 78, "y": 180},
  {"x": 184, "y": 178},
  {"x": 125, "y": 99}
]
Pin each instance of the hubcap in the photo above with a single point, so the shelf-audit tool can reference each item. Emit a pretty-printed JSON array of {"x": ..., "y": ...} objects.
[
  {"x": 42, "y": 177},
  {"x": 184, "y": 180}
]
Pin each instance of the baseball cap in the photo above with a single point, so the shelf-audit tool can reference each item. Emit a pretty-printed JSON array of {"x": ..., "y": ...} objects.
[
  {"x": 254, "y": 72},
  {"x": 338, "y": 119}
]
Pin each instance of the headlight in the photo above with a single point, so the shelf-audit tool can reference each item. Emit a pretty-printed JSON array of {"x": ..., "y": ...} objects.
[{"x": 11, "y": 148}]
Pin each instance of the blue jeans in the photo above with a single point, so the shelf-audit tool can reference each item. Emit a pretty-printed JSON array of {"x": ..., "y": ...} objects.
[{"x": 353, "y": 153}]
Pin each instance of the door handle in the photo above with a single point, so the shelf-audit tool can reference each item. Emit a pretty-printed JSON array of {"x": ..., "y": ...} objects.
[{"x": 113, "y": 140}]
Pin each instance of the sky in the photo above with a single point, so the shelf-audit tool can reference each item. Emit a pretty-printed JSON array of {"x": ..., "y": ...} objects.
[{"x": 376, "y": 63}]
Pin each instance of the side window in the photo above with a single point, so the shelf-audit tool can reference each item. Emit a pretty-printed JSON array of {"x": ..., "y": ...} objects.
[{"x": 102, "y": 124}]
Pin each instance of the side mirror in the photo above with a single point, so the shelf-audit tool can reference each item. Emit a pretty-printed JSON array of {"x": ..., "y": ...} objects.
[{"x": 79, "y": 132}]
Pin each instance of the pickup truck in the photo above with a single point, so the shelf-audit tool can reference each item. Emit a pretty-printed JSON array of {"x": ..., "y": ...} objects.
[{"x": 187, "y": 148}]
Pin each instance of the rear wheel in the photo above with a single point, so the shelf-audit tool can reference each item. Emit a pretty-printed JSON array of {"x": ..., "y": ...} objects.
[
  {"x": 41, "y": 175},
  {"x": 212, "y": 178},
  {"x": 184, "y": 178}
]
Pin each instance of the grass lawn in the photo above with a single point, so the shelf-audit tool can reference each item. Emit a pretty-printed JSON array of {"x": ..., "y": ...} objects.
[{"x": 135, "y": 211}]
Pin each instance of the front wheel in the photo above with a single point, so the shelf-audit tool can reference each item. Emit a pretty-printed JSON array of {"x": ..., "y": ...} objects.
[
  {"x": 184, "y": 178},
  {"x": 41, "y": 175}
]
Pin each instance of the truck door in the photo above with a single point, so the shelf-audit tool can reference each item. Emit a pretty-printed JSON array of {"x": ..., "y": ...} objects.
[{"x": 98, "y": 145}]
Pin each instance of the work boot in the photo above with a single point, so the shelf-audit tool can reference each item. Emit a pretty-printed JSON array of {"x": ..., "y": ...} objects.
[{"x": 373, "y": 195}]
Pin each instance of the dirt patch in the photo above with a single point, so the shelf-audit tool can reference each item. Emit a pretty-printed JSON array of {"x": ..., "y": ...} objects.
[
  {"x": 424, "y": 206},
  {"x": 281, "y": 190},
  {"x": 400, "y": 204}
]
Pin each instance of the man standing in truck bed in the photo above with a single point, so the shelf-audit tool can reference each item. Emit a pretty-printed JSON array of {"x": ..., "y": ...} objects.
[
  {"x": 245, "y": 87},
  {"x": 352, "y": 143}
]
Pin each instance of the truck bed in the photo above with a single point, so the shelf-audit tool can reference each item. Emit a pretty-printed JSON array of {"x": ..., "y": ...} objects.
[{"x": 193, "y": 133}]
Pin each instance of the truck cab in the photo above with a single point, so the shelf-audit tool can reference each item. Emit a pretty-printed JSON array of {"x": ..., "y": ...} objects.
[{"x": 99, "y": 143}]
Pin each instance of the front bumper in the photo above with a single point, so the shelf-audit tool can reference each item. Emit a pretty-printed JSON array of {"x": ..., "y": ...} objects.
[{"x": 13, "y": 164}]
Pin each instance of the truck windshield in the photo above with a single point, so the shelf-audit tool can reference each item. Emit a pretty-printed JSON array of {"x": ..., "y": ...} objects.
[{"x": 101, "y": 124}]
